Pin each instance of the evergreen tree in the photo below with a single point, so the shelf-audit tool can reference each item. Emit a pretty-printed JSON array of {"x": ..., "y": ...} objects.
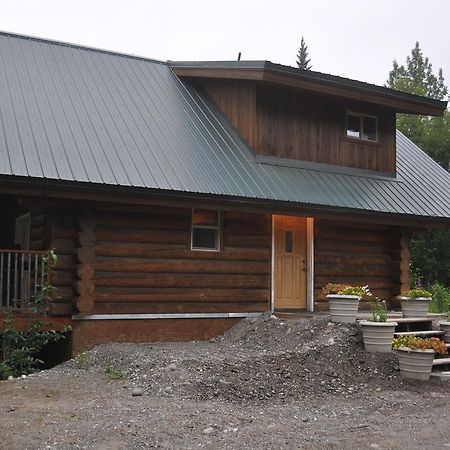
[
  {"x": 430, "y": 254},
  {"x": 303, "y": 62},
  {"x": 417, "y": 77},
  {"x": 432, "y": 134}
]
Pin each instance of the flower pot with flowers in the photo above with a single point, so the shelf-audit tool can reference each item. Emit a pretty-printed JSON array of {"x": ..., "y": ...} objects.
[
  {"x": 344, "y": 300},
  {"x": 416, "y": 355},
  {"x": 378, "y": 333},
  {"x": 415, "y": 303}
]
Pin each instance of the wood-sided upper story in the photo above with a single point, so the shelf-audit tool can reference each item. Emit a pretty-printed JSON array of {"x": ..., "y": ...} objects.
[{"x": 306, "y": 116}]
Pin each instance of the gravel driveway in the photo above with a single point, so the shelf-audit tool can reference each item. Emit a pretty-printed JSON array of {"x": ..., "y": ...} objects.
[{"x": 267, "y": 383}]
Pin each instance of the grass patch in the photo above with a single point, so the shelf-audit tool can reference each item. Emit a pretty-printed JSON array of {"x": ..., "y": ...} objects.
[
  {"x": 83, "y": 361},
  {"x": 114, "y": 373}
]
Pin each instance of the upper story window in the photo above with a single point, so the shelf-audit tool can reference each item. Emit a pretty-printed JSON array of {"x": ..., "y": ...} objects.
[
  {"x": 360, "y": 126},
  {"x": 205, "y": 234}
]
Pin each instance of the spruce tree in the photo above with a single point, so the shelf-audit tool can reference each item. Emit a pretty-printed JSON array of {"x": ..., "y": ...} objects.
[
  {"x": 430, "y": 254},
  {"x": 303, "y": 62}
]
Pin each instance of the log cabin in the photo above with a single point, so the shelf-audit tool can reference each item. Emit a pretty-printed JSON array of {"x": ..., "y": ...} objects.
[{"x": 181, "y": 197}]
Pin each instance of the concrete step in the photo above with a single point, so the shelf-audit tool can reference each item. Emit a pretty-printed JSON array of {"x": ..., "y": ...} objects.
[
  {"x": 441, "y": 361},
  {"x": 441, "y": 375},
  {"x": 409, "y": 324},
  {"x": 410, "y": 319},
  {"x": 424, "y": 334}
]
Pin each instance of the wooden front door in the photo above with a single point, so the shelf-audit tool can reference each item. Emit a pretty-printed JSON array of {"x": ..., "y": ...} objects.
[{"x": 290, "y": 262}]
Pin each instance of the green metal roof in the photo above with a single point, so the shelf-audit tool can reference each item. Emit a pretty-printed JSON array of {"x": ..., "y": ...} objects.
[{"x": 96, "y": 118}]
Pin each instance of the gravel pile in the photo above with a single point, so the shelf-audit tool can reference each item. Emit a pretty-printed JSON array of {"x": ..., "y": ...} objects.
[{"x": 259, "y": 360}]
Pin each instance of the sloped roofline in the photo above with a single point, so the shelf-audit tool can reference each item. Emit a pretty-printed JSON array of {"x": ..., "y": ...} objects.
[
  {"x": 80, "y": 47},
  {"x": 267, "y": 71},
  {"x": 279, "y": 74}
]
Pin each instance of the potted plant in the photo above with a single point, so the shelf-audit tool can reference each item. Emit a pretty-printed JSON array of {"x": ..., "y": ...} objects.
[
  {"x": 378, "y": 332},
  {"x": 415, "y": 303},
  {"x": 344, "y": 300},
  {"x": 416, "y": 355}
]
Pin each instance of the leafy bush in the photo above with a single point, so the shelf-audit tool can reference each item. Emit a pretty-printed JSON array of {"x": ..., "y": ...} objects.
[
  {"x": 440, "y": 302},
  {"x": 430, "y": 256},
  {"x": 21, "y": 347},
  {"x": 417, "y": 343}
]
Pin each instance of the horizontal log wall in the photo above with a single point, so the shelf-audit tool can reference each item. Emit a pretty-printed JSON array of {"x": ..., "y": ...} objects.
[
  {"x": 63, "y": 240},
  {"x": 143, "y": 263},
  {"x": 359, "y": 254}
]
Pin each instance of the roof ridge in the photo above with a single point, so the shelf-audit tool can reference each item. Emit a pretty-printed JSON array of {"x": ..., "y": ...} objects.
[{"x": 79, "y": 46}]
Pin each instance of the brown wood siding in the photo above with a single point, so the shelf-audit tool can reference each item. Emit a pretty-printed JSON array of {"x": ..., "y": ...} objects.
[
  {"x": 359, "y": 254},
  {"x": 143, "y": 263},
  {"x": 237, "y": 100},
  {"x": 294, "y": 124}
]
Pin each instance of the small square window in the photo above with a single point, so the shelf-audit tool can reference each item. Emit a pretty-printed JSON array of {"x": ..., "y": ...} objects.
[
  {"x": 362, "y": 127},
  {"x": 205, "y": 233}
]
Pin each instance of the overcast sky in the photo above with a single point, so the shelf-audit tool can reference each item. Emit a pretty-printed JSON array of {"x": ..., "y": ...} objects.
[{"x": 352, "y": 38}]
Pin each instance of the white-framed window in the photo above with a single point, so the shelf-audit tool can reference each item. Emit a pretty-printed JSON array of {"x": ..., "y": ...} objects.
[
  {"x": 362, "y": 126},
  {"x": 205, "y": 230}
]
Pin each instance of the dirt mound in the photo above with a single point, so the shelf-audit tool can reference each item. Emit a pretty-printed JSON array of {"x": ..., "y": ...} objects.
[{"x": 295, "y": 359}]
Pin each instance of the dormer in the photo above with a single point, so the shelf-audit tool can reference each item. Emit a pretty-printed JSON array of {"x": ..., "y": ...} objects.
[{"x": 297, "y": 117}]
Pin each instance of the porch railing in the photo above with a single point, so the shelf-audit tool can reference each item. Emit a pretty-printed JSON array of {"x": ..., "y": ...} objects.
[{"x": 23, "y": 274}]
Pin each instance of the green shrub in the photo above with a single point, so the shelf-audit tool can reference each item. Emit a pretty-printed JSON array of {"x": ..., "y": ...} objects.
[
  {"x": 440, "y": 302},
  {"x": 19, "y": 348}
]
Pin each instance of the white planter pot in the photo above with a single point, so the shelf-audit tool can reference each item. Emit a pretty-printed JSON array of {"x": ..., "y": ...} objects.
[
  {"x": 343, "y": 308},
  {"x": 445, "y": 326},
  {"x": 377, "y": 336},
  {"x": 415, "y": 307},
  {"x": 415, "y": 364}
]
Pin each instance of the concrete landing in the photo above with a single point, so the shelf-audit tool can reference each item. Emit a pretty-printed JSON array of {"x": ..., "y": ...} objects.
[{"x": 445, "y": 376}]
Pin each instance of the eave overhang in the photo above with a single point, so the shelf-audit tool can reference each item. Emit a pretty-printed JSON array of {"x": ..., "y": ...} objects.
[
  {"x": 267, "y": 72},
  {"x": 69, "y": 190}
]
